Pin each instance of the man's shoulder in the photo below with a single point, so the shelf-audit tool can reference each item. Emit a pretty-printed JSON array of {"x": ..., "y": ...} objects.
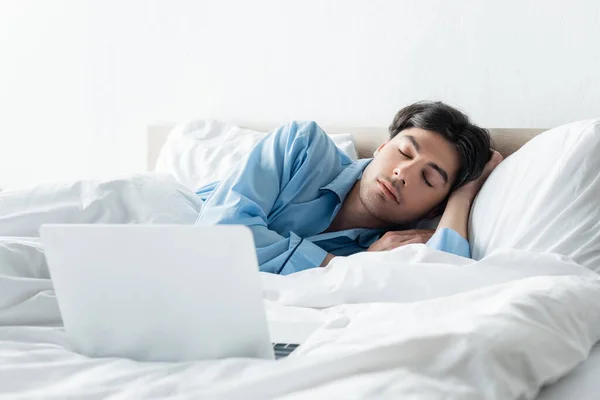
[
  {"x": 306, "y": 139},
  {"x": 305, "y": 130}
]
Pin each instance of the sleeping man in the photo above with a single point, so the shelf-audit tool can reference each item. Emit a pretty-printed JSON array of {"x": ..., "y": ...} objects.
[{"x": 307, "y": 202}]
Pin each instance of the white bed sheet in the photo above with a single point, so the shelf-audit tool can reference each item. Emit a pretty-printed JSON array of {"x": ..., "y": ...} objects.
[
  {"x": 581, "y": 384},
  {"x": 411, "y": 323}
]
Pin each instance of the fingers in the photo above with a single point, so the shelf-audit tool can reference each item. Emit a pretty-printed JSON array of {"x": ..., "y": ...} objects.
[
  {"x": 425, "y": 234},
  {"x": 394, "y": 239},
  {"x": 416, "y": 240},
  {"x": 399, "y": 238},
  {"x": 400, "y": 243},
  {"x": 493, "y": 162},
  {"x": 411, "y": 232}
]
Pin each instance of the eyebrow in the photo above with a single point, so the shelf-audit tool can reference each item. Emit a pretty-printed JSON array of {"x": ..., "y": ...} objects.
[{"x": 439, "y": 169}]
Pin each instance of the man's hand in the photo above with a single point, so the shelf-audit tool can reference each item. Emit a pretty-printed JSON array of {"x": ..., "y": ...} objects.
[
  {"x": 458, "y": 208},
  {"x": 394, "y": 239},
  {"x": 470, "y": 190}
]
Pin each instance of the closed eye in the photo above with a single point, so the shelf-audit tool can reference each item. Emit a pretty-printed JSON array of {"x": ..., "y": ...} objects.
[
  {"x": 404, "y": 154},
  {"x": 426, "y": 181}
]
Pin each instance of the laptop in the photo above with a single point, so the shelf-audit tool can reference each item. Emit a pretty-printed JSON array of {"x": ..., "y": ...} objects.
[{"x": 163, "y": 292}]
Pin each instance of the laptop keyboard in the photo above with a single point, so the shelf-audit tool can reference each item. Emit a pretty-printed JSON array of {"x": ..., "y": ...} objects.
[{"x": 283, "y": 349}]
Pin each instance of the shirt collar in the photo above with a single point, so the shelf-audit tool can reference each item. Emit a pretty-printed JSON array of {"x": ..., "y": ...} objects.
[{"x": 342, "y": 183}]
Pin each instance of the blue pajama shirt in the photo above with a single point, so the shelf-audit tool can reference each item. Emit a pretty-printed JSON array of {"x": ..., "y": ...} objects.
[{"x": 288, "y": 190}]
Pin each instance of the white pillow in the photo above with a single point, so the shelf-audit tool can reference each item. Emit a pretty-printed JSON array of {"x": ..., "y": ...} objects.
[
  {"x": 545, "y": 197},
  {"x": 201, "y": 151}
]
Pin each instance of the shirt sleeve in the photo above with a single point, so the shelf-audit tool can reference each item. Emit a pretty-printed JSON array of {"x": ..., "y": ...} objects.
[
  {"x": 248, "y": 195},
  {"x": 450, "y": 241}
]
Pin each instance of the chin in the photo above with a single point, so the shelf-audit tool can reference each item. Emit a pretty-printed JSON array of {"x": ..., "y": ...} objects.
[{"x": 379, "y": 208}]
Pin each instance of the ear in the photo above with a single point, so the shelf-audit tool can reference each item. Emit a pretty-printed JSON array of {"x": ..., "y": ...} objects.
[{"x": 380, "y": 147}]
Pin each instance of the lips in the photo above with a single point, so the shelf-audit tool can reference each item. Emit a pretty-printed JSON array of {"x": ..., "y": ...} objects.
[{"x": 388, "y": 190}]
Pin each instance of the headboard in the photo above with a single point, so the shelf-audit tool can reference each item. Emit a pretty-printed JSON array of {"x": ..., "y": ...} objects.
[{"x": 506, "y": 140}]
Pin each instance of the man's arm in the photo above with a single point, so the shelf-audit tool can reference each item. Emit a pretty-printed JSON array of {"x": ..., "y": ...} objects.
[
  {"x": 249, "y": 194},
  {"x": 452, "y": 231}
]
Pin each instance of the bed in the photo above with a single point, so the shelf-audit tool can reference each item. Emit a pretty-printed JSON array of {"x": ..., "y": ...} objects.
[{"x": 453, "y": 318}]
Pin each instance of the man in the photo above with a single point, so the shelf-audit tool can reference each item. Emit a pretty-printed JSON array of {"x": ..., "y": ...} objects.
[{"x": 306, "y": 202}]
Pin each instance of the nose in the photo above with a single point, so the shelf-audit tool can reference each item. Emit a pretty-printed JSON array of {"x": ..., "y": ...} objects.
[{"x": 404, "y": 173}]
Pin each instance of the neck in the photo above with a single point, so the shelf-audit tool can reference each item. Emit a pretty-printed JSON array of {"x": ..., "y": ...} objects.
[{"x": 353, "y": 214}]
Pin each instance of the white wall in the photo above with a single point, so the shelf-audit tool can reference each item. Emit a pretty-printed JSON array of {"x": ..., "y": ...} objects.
[{"x": 80, "y": 80}]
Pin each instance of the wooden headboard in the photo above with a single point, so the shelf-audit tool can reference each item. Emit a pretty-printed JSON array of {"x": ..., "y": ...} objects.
[{"x": 506, "y": 140}]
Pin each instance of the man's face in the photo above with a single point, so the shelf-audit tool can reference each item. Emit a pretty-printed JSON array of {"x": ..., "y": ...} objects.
[{"x": 409, "y": 176}]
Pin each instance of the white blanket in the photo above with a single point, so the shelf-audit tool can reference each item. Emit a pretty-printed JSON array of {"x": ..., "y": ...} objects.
[{"x": 410, "y": 323}]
